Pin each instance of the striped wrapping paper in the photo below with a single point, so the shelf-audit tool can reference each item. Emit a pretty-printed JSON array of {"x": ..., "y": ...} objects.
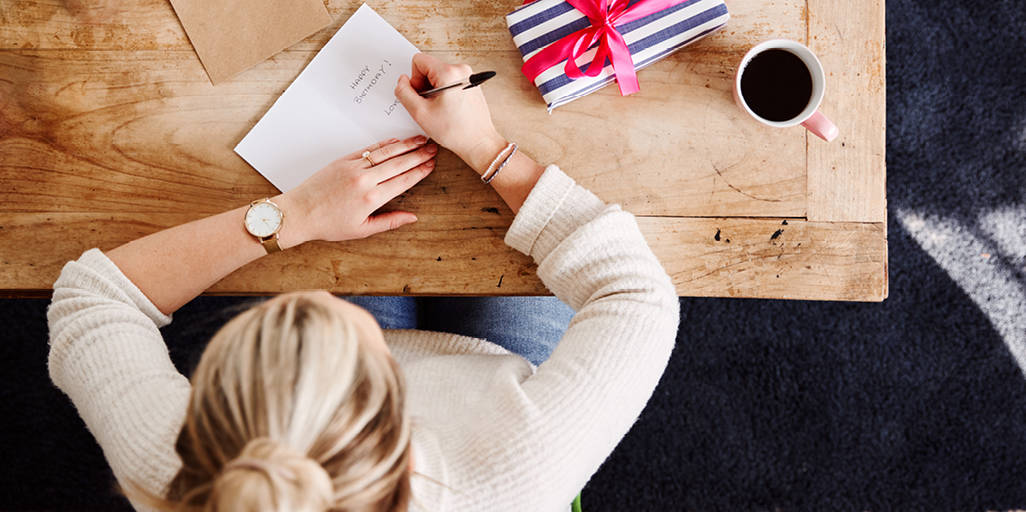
[{"x": 540, "y": 23}]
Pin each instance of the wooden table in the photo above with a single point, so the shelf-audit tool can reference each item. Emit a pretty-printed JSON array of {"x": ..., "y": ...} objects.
[{"x": 111, "y": 130}]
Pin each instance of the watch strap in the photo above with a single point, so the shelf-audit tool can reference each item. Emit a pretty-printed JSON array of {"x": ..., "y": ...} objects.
[{"x": 271, "y": 244}]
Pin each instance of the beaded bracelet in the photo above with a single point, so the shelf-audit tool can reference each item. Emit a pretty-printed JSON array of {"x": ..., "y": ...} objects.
[
  {"x": 486, "y": 176},
  {"x": 501, "y": 166}
]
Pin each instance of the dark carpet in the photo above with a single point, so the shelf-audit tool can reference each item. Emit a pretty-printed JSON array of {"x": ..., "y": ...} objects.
[{"x": 914, "y": 404}]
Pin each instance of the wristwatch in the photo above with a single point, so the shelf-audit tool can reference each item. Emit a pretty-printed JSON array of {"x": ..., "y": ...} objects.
[{"x": 263, "y": 221}]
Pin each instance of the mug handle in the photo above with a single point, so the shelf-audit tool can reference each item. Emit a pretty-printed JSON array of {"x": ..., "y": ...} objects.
[{"x": 821, "y": 126}]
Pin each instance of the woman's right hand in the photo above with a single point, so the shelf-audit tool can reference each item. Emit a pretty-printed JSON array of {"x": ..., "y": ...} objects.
[{"x": 458, "y": 120}]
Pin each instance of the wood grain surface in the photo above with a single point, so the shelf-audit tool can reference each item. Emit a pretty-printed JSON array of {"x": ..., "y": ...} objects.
[
  {"x": 847, "y": 178},
  {"x": 110, "y": 129},
  {"x": 150, "y": 120},
  {"x": 732, "y": 257},
  {"x": 429, "y": 24}
]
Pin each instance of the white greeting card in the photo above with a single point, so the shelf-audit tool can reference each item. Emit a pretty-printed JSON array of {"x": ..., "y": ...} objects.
[{"x": 343, "y": 101}]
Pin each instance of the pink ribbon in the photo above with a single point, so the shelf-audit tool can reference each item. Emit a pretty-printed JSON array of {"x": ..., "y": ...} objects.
[{"x": 605, "y": 16}]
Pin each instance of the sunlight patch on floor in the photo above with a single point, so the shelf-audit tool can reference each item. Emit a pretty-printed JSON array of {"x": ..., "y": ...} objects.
[{"x": 983, "y": 261}]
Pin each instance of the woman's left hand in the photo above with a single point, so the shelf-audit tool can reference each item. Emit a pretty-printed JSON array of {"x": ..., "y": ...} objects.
[{"x": 338, "y": 202}]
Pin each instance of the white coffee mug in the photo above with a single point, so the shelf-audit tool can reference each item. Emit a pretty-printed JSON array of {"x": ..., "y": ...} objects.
[{"x": 810, "y": 117}]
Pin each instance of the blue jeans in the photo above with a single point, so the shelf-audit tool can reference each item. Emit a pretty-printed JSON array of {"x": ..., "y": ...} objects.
[{"x": 528, "y": 326}]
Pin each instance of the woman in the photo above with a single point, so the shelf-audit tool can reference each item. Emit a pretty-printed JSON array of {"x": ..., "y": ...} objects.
[{"x": 302, "y": 402}]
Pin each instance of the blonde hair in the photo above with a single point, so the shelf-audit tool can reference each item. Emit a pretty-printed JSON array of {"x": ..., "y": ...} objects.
[{"x": 290, "y": 410}]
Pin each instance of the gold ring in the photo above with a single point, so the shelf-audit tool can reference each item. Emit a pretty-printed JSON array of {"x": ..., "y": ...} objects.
[{"x": 366, "y": 155}]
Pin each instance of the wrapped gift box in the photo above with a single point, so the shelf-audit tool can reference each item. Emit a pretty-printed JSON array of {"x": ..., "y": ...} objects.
[{"x": 539, "y": 24}]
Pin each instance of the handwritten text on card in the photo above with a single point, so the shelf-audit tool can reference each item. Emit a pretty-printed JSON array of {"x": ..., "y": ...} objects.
[{"x": 369, "y": 78}]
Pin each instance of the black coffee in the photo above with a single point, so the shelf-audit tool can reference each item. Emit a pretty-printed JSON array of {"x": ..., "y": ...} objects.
[{"x": 776, "y": 85}]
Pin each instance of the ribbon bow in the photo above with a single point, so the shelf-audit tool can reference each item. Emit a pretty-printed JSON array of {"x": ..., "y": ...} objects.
[{"x": 605, "y": 16}]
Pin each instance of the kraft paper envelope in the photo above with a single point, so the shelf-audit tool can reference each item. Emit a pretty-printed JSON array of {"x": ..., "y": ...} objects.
[
  {"x": 343, "y": 101},
  {"x": 231, "y": 36}
]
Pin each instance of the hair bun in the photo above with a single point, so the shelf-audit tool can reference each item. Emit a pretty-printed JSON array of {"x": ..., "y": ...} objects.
[{"x": 267, "y": 476}]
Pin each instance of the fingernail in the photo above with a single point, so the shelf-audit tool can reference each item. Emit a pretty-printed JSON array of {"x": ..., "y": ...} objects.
[
  {"x": 432, "y": 149},
  {"x": 420, "y": 139}
]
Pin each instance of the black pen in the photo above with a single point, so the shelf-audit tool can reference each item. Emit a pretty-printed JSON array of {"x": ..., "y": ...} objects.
[{"x": 473, "y": 81}]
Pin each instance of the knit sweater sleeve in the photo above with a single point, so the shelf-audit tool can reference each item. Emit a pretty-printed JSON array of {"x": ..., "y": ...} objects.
[
  {"x": 107, "y": 355},
  {"x": 542, "y": 437}
]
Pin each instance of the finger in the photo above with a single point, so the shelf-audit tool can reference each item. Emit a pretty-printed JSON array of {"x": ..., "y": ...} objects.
[
  {"x": 388, "y": 221},
  {"x": 388, "y": 151},
  {"x": 403, "y": 163},
  {"x": 411, "y": 100},
  {"x": 404, "y": 181},
  {"x": 358, "y": 154},
  {"x": 459, "y": 72},
  {"x": 429, "y": 71},
  {"x": 425, "y": 71}
]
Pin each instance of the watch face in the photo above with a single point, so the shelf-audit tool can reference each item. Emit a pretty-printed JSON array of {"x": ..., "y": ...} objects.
[{"x": 263, "y": 219}]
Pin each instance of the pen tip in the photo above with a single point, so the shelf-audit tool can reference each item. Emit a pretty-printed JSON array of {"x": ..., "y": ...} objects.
[{"x": 477, "y": 78}]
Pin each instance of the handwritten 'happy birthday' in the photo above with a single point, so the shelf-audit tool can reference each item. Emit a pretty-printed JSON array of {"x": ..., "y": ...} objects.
[{"x": 368, "y": 78}]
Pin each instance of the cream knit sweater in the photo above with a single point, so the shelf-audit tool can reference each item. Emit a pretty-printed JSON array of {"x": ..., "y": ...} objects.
[{"x": 497, "y": 433}]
